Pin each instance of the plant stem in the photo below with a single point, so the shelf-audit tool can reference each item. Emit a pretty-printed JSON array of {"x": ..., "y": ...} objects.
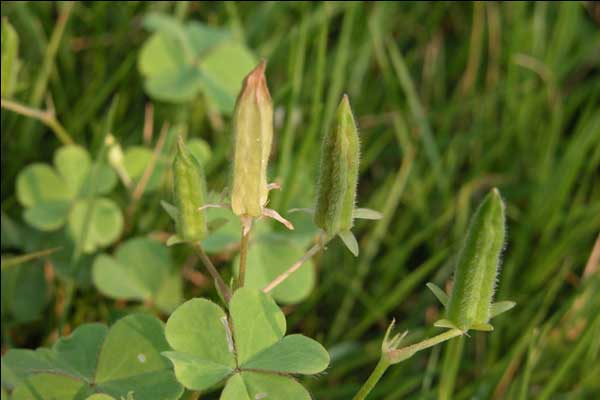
[
  {"x": 396, "y": 356},
  {"x": 399, "y": 354},
  {"x": 45, "y": 117},
  {"x": 286, "y": 274},
  {"x": 377, "y": 373},
  {"x": 212, "y": 270},
  {"x": 243, "y": 257}
]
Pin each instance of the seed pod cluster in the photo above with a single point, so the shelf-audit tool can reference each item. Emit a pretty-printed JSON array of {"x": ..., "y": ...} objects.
[
  {"x": 253, "y": 126},
  {"x": 338, "y": 175},
  {"x": 478, "y": 263},
  {"x": 190, "y": 194}
]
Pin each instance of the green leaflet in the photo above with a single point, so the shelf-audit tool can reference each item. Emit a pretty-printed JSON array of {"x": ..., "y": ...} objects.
[
  {"x": 253, "y": 126},
  {"x": 94, "y": 359},
  {"x": 477, "y": 267},
  {"x": 338, "y": 177},
  {"x": 141, "y": 269},
  {"x": 189, "y": 187},
  {"x": 211, "y": 347}
]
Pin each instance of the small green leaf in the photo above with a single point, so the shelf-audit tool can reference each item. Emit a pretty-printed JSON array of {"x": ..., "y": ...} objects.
[
  {"x": 444, "y": 323},
  {"x": 38, "y": 183},
  {"x": 438, "y": 293},
  {"x": 171, "y": 210},
  {"x": 482, "y": 327},
  {"x": 174, "y": 239},
  {"x": 294, "y": 354},
  {"x": 125, "y": 359},
  {"x": 140, "y": 270},
  {"x": 47, "y": 216},
  {"x": 350, "y": 241},
  {"x": 73, "y": 164},
  {"x": 95, "y": 223},
  {"x": 366, "y": 213},
  {"x": 501, "y": 307},
  {"x": 257, "y": 322},
  {"x": 198, "y": 332},
  {"x": 253, "y": 385}
]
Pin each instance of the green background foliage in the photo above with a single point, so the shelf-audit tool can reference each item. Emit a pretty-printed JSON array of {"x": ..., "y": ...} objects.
[{"x": 450, "y": 100}]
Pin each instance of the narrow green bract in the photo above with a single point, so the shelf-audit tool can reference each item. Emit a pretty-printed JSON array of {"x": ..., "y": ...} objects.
[
  {"x": 478, "y": 264},
  {"x": 336, "y": 190},
  {"x": 190, "y": 194},
  {"x": 253, "y": 125}
]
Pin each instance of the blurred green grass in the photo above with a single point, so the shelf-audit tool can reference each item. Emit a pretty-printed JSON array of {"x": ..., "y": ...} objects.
[{"x": 451, "y": 99}]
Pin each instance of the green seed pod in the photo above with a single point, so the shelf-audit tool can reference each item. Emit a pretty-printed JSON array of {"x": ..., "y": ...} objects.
[
  {"x": 338, "y": 176},
  {"x": 470, "y": 303},
  {"x": 253, "y": 126},
  {"x": 189, "y": 193}
]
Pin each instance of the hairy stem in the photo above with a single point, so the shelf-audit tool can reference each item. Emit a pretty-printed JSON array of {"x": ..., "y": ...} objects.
[
  {"x": 396, "y": 356},
  {"x": 408, "y": 351},
  {"x": 377, "y": 373},
  {"x": 222, "y": 288},
  {"x": 286, "y": 274},
  {"x": 243, "y": 257}
]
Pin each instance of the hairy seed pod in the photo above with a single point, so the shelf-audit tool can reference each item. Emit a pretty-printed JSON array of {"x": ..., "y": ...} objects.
[
  {"x": 253, "y": 126},
  {"x": 190, "y": 194},
  {"x": 338, "y": 175},
  {"x": 478, "y": 263}
]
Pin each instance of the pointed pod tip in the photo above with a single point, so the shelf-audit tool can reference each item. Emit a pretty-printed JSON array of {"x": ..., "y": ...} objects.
[
  {"x": 345, "y": 103},
  {"x": 258, "y": 73}
]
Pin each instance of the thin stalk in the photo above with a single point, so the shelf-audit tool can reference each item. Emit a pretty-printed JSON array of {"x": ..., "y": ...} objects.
[
  {"x": 422, "y": 345},
  {"x": 212, "y": 270},
  {"x": 243, "y": 257},
  {"x": 391, "y": 357},
  {"x": 286, "y": 274},
  {"x": 377, "y": 373},
  {"x": 46, "y": 117}
]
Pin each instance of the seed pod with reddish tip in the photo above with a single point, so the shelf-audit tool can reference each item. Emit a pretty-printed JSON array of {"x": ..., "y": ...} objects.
[
  {"x": 253, "y": 126},
  {"x": 470, "y": 303},
  {"x": 190, "y": 193},
  {"x": 338, "y": 176}
]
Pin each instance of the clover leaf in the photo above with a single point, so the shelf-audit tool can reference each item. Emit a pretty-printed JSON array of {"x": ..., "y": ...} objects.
[
  {"x": 179, "y": 61},
  {"x": 121, "y": 362},
  {"x": 247, "y": 349},
  {"x": 69, "y": 194},
  {"x": 24, "y": 292},
  {"x": 141, "y": 269}
]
